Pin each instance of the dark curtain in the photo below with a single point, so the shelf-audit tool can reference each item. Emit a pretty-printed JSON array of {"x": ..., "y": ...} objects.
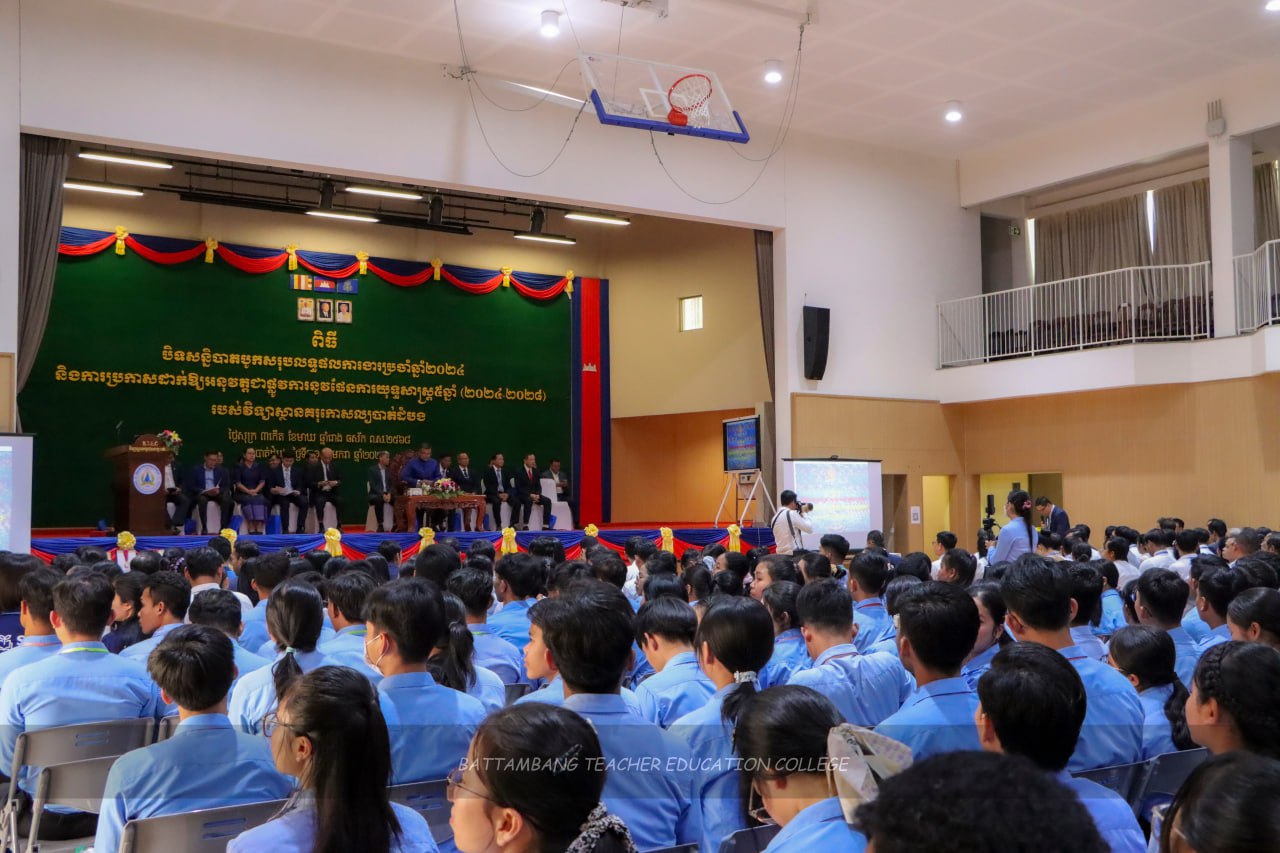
[
  {"x": 764, "y": 287},
  {"x": 43, "y": 169}
]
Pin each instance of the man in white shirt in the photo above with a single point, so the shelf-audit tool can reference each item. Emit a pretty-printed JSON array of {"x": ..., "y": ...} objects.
[
  {"x": 1187, "y": 545},
  {"x": 175, "y": 499},
  {"x": 942, "y": 543},
  {"x": 204, "y": 569},
  {"x": 1159, "y": 545},
  {"x": 1117, "y": 550},
  {"x": 789, "y": 524}
]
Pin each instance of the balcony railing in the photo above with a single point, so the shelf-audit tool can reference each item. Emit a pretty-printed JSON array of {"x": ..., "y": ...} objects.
[
  {"x": 1257, "y": 277},
  {"x": 1157, "y": 303}
]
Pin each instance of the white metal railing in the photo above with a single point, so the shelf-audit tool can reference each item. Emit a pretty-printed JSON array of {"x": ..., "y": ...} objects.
[
  {"x": 1257, "y": 277},
  {"x": 1157, "y": 303}
]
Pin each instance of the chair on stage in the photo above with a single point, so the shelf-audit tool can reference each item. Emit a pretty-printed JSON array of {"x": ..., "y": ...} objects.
[
  {"x": 504, "y": 514},
  {"x": 388, "y": 518},
  {"x": 214, "y": 516},
  {"x": 561, "y": 516}
]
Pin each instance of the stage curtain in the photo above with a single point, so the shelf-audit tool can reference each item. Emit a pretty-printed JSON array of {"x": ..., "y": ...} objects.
[
  {"x": 764, "y": 289},
  {"x": 43, "y": 170},
  {"x": 1182, "y": 223},
  {"x": 1094, "y": 239}
]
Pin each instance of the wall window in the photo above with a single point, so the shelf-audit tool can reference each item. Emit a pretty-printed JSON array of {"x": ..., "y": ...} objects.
[{"x": 690, "y": 313}]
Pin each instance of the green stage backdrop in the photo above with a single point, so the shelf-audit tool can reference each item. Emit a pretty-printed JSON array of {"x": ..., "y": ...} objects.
[{"x": 222, "y": 357}]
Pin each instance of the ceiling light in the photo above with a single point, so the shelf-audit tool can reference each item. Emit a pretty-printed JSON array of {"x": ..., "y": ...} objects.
[
  {"x": 550, "y": 24},
  {"x": 1273, "y": 5},
  {"x": 125, "y": 160},
  {"x": 349, "y": 217},
  {"x": 773, "y": 71},
  {"x": 598, "y": 218},
  {"x": 383, "y": 192},
  {"x": 953, "y": 112},
  {"x": 537, "y": 219},
  {"x": 101, "y": 188}
]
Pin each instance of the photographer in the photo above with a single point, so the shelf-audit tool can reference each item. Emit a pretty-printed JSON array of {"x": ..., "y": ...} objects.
[{"x": 789, "y": 524}]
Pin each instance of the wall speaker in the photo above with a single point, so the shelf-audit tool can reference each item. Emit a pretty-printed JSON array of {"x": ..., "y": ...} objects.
[{"x": 817, "y": 333}]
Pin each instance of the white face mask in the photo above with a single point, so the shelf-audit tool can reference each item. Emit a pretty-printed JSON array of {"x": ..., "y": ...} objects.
[{"x": 372, "y": 663}]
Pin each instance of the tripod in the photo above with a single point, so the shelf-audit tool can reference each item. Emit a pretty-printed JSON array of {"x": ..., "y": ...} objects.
[{"x": 757, "y": 482}]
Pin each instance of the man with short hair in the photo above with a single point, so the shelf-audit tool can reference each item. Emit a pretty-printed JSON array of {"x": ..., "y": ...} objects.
[
  {"x": 39, "y": 641},
  {"x": 665, "y": 628},
  {"x": 1159, "y": 600},
  {"x": 1086, "y": 591},
  {"x": 165, "y": 599},
  {"x": 1241, "y": 543},
  {"x": 958, "y": 567},
  {"x": 942, "y": 543},
  {"x": 563, "y": 493},
  {"x": 517, "y": 580},
  {"x": 1214, "y": 593},
  {"x": 1186, "y": 548},
  {"x": 1117, "y": 551},
  {"x": 834, "y": 547},
  {"x": 475, "y": 589},
  {"x": 1217, "y": 532},
  {"x": 324, "y": 480},
  {"x": 208, "y": 484},
  {"x": 346, "y": 595},
  {"x": 868, "y": 574},
  {"x": 269, "y": 571},
  {"x": 381, "y": 489},
  {"x": 218, "y": 608},
  {"x": 1052, "y": 517},
  {"x": 177, "y": 502},
  {"x": 204, "y": 570},
  {"x": 789, "y": 524},
  {"x": 527, "y": 491},
  {"x": 287, "y": 487},
  {"x": 1159, "y": 545},
  {"x": 1032, "y": 703},
  {"x": 468, "y": 480},
  {"x": 496, "y": 489}
]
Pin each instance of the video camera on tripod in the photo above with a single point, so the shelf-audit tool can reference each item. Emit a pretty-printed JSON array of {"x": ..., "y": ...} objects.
[{"x": 987, "y": 533}]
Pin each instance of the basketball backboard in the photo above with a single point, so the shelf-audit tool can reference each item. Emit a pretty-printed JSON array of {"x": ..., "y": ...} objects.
[{"x": 656, "y": 96}]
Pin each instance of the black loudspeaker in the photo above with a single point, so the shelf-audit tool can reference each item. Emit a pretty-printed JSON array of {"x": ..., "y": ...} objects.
[{"x": 817, "y": 333}]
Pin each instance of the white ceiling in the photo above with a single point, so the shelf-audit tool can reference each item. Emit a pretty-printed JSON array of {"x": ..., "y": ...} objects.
[{"x": 877, "y": 71}]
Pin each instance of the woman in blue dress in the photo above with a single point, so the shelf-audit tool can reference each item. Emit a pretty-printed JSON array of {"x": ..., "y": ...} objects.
[
  {"x": 1017, "y": 537},
  {"x": 250, "y": 482}
]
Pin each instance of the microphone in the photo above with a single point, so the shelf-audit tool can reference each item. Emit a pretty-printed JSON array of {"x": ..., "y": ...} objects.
[{"x": 119, "y": 424}]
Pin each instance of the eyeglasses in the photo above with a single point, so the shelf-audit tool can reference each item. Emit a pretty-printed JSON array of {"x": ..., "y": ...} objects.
[
  {"x": 272, "y": 721},
  {"x": 756, "y": 809},
  {"x": 454, "y": 783}
]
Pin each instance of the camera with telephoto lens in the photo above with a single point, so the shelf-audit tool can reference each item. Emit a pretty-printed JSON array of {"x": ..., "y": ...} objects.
[{"x": 804, "y": 507}]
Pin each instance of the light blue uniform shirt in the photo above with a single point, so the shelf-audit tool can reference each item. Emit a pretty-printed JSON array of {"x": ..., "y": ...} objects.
[
  {"x": 33, "y": 648},
  {"x": 709, "y": 742},
  {"x": 937, "y": 718},
  {"x": 553, "y": 694},
  {"x": 1013, "y": 541},
  {"x": 677, "y": 690},
  {"x": 872, "y": 621},
  {"x": 488, "y": 689},
  {"x": 497, "y": 655},
  {"x": 1112, "y": 613},
  {"x": 646, "y": 786},
  {"x": 1112, "y": 730},
  {"x": 1188, "y": 654},
  {"x": 140, "y": 651},
  {"x": 1111, "y": 814},
  {"x": 206, "y": 764},
  {"x": 866, "y": 689},
  {"x": 511, "y": 623},
  {"x": 1157, "y": 733},
  {"x": 254, "y": 695},
  {"x": 1221, "y": 634},
  {"x": 269, "y": 651},
  {"x": 1088, "y": 642},
  {"x": 1194, "y": 625},
  {"x": 888, "y": 641},
  {"x": 972, "y": 671},
  {"x": 789, "y": 657},
  {"x": 641, "y": 669},
  {"x": 820, "y": 827},
  {"x": 246, "y": 662},
  {"x": 430, "y": 726},
  {"x": 295, "y": 831},
  {"x": 347, "y": 649},
  {"x": 82, "y": 683},
  {"x": 255, "y": 627}
]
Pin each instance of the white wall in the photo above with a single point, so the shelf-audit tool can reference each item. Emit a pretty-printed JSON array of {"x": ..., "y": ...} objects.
[{"x": 9, "y": 148}]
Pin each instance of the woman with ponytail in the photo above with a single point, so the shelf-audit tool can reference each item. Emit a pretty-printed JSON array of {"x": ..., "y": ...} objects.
[
  {"x": 1017, "y": 537},
  {"x": 452, "y": 660},
  {"x": 1253, "y": 616},
  {"x": 295, "y": 617},
  {"x": 329, "y": 733},
  {"x": 1232, "y": 704},
  {"x": 734, "y": 642},
  {"x": 533, "y": 780},
  {"x": 1146, "y": 656}
]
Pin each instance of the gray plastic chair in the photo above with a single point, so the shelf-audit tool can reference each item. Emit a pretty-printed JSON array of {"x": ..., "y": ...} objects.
[
  {"x": 203, "y": 831},
  {"x": 515, "y": 691},
  {"x": 429, "y": 799},
  {"x": 1124, "y": 779},
  {"x": 1165, "y": 777},
  {"x": 679, "y": 848},
  {"x": 166, "y": 727},
  {"x": 752, "y": 840}
]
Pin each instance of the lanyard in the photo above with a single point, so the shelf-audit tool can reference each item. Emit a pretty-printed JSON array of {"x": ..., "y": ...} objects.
[{"x": 70, "y": 649}]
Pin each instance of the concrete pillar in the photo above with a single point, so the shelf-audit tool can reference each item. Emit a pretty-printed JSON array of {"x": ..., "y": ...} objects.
[{"x": 1231, "y": 213}]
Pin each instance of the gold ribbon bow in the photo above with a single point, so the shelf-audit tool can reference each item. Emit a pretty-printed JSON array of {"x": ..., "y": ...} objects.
[
  {"x": 333, "y": 541},
  {"x": 293, "y": 256},
  {"x": 735, "y": 537},
  {"x": 506, "y": 276},
  {"x": 363, "y": 258},
  {"x": 568, "y": 283},
  {"x": 210, "y": 246},
  {"x": 126, "y": 541},
  {"x": 509, "y": 540},
  {"x": 427, "y": 535},
  {"x": 436, "y": 265},
  {"x": 591, "y": 530},
  {"x": 228, "y": 534},
  {"x": 121, "y": 233},
  {"x": 668, "y": 541}
]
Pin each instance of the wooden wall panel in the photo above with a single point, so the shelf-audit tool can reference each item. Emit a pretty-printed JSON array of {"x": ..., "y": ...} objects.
[{"x": 8, "y": 391}]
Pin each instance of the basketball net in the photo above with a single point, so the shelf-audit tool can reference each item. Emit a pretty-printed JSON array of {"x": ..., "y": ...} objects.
[{"x": 689, "y": 98}]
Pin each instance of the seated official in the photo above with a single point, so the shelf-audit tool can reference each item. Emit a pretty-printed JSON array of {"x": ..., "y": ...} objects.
[
  {"x": 563, "y": 493},
  {"x": 475, "y": 589},
  {"x": 468, "y": 480},
  {"x": 323, "y": 480},
  {"x": 329, "y": 733},
  {"x": 206, "y": 570},
  {"x": 781, "y": 738},
  {"x": 345, "y": 596},
  {"x": 83, "y": 683},
  {"x": 218, "y": 608},
  {"x": 39, "y": 640},
  {"x": 526, "y": 492},
  {"x": 209, "y": 484},
  {"x": 422, "y": 471},
  {"x": 382, "y": 492},
  {"x": 177, "y": 503},
  {"x": 665, "y": 628},
  {"x": 165, "y": 599},
  {"x": 249, "y": 483},
  {"x": 287, "y": 487},
  {"x": 499, "y": 793},
  {"x": 497, "y": 491},
  {"x": 206, "y": 763},
  {"x": 1032, "y": 704}
]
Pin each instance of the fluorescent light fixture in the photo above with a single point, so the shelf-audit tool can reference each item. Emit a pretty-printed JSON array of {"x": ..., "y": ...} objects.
[
  {"x": 125, "y": 159},
  {"x": 1273, "y": 6},
  {"x": 550, "y": 24},
  {"x": 773, "y": 72},
  {"x": 547, "y": 238},
  {"x": 384, "y": 192},
  {"x": 598, "y": 218},
  {"x": 953, "y": 112},
  {"x": 101, "y": 188},
  {"x": 349, "y": 217}
]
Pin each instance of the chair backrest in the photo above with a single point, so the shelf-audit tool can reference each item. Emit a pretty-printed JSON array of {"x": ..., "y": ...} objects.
[
  {"x": 1124, "y": 779},
  {"x": 166, "y": 727},
  {"x": 65, "y": 744},
  {"x": 430, "y": 800},
  {"x": 752, "y": 840},
  {"x": 204, "y": 831},
  {"x": 679, "y": 848},
  {"x": 509, "y": 674},
  {"x": 515, "y": 691},
  {"x": 1168, "y": 772},
  {"x": 549, "y": 487},
  {"x": 78, "y": 785}
]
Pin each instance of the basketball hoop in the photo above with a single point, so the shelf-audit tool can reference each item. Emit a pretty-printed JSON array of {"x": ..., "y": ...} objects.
[{"x": 688, "y": 98}]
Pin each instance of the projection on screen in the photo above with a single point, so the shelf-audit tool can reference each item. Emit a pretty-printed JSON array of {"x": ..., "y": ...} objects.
[
  {"x": 845, "y": 495},
  {"x": 15, "y": 493},
  {"x": 741, "y": 444}
]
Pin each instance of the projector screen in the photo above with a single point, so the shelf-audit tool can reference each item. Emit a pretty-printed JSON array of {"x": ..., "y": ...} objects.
[
  {"x": 845, "y": 495},
  {"x": 15, "y": 493}
]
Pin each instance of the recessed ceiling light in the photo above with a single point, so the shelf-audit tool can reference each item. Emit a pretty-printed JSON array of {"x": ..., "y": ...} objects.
[
  {"x": 349, "y": 217},
  {"x": 1273, "y": 5},
  {"x": 125, "y": 160},
  {"x": 953, "y": 112},
  {"x": 773, "y": 72},
  {"x": 598, "y": 218},
  {"x": 384, "y": 192},
  {"x": 550, "y": 24},
  {"x": 101, "y": 188}
]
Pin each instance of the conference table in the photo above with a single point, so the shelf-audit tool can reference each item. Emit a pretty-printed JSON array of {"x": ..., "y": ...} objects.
[{"x": 408, "y": 506}]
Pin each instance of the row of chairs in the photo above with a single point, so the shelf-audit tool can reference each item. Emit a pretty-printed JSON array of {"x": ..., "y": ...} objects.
[{"x": 1146, "y": 784}]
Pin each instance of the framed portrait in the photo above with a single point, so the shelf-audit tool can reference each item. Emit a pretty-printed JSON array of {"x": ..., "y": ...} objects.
[
  {"x": 324, "y": 310},
  {"x": 344, "y": 310},
  {"x": 306, "y": 309}
]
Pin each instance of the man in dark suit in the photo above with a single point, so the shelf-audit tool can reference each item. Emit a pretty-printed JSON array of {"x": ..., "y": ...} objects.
[
  {"x": 324, "y": 479},
  {"x": 467, "y": 480},
  {"x": 496, "y": 490},
  {"x": 176, "y": 500},
  {"x": 286, "y": 487},
  {"x": 382, "y": 488},
  {"x": 209, "y": 484},
  {"x": 527, "y": 491},
  {"x": 1054, "y": 517}
]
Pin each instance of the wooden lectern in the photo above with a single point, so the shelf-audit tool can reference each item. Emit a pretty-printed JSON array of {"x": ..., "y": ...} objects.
[{"x": 137, "y": 482}]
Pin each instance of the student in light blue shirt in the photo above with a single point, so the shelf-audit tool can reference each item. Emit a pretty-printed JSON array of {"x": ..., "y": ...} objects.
[
  {"x": 1217, "y": 587},
  {"x": 1112, "y": 603},
  {"x": 207, "y": 763},
  {"x": 866, "y": 689},
  {"x": 868, "y": 574},
  {"x": 452, "y": 661},
  {"x": 1158, "y": 601},
  {"x": 165, "y": 599},
  {"x": 267, "y": 573},
  {"x": 665, "y": 628},
  {"x": 1038, "y": 595},
  {"x": 1146, "y": 656},
  {"x": 39, "y": 641},
  {"x": 790, "y": 655},
  {"x": 1018, "y": 536},
  {"x": 781, "y": 739},
  {"x": 1192, "y": 620},
  {"x": 1086, "y": 590},
  {"x": 541, "y": 666},
  {"x": 294, "y": 621},
  {"x": 1232, "y": 703},
  {"x": 517, "y": 580},
  {"x": 219, "y": 609},
  {"x": 474, "y": 588},
  {"x": 329, "y": 733},
  {"x": 937, "y": 626},
  {"x": 1253, "y": 617},
  {"x": 345, "y": 595},
  {"x": 992, "y": 636},
  {"x": 1033, "y": 705}
]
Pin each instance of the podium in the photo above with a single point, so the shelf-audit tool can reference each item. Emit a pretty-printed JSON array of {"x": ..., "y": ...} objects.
[{"x": 137, "y": 484}]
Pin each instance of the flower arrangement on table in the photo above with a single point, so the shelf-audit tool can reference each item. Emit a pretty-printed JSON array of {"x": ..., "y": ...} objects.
[
  {"x": 442, "y": 488},
  {"x": 172, "y": 441}
]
